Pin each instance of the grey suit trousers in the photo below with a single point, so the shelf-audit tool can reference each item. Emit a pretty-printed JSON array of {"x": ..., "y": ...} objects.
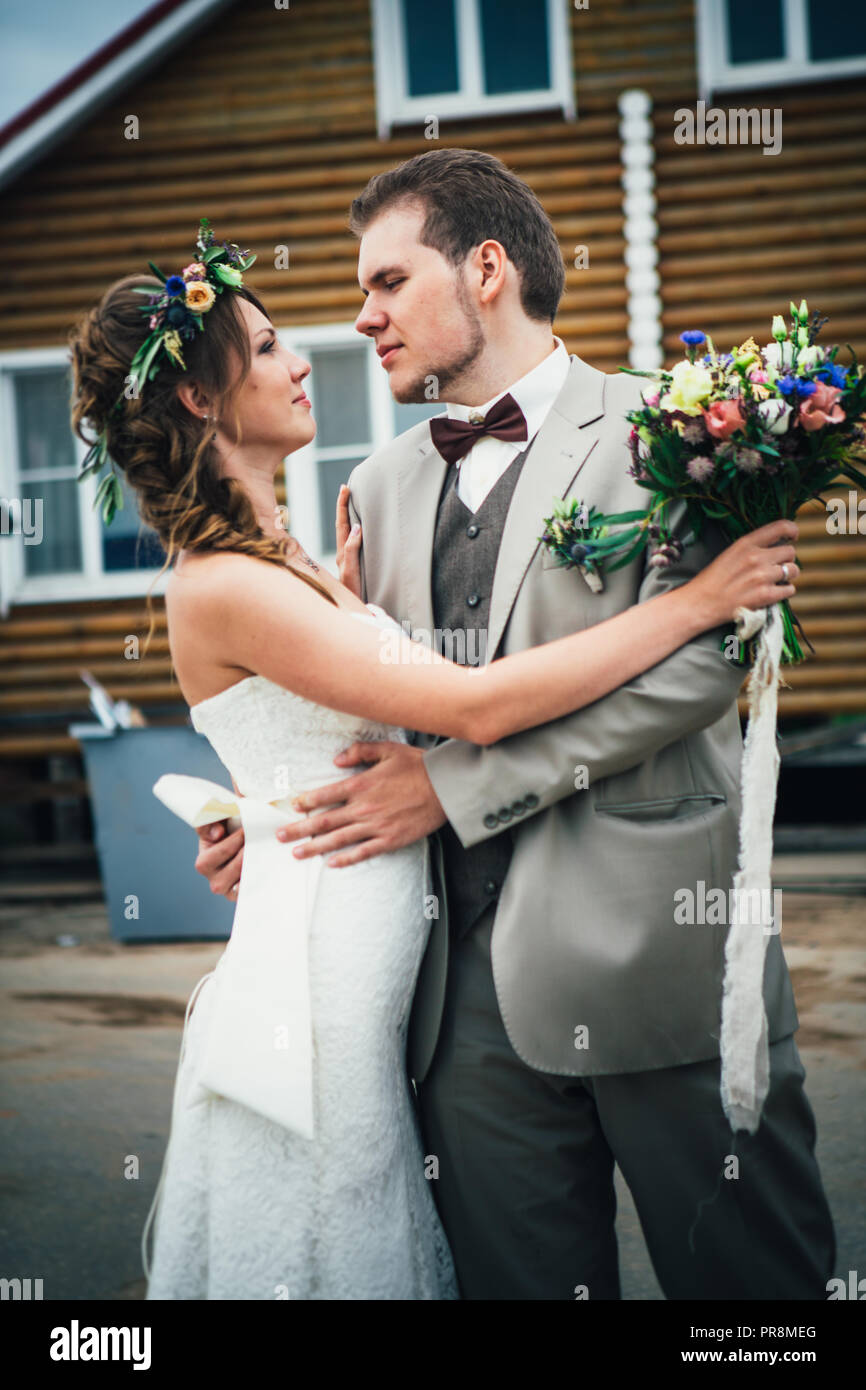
[{"x": 526, "y": 1159}]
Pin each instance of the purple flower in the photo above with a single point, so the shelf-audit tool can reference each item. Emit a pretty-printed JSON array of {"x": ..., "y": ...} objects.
[
  {"x": 667, "y": 553},
  {"x": 700, "y": 468},
  {"x": 694, "y": 432},
  {"x": 693, "y": 337},
  {"x": 748, "y": 460},
  {"x": 175, "y": 285}
]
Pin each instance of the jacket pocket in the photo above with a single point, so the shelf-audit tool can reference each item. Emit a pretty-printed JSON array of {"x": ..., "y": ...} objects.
[{"x": 663, "y": 808}]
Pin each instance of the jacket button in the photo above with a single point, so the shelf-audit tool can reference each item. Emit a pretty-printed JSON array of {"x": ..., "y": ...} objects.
[
  {"x": 518, "y": 807},
  {"x": 491, "y": 821},
  {"x": 491, "y": 887},
  {"x": 530, "y": 801},
  {"x": 504, "y": 814},
  {"x": 473, "y": 600},
  {"x": 472, "y": 531}
]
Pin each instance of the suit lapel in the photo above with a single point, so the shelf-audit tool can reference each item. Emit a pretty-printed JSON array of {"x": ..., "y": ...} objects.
[
  {"x": 419, "y": 484},
  {"x": 561, "y": 448}
]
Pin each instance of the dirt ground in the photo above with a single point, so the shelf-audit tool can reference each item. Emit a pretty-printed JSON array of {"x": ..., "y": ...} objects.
[{"x": 89, "y": 1039}]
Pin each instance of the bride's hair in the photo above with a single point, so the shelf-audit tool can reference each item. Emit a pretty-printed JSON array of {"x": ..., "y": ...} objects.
[{"x": 163, "y": 449}]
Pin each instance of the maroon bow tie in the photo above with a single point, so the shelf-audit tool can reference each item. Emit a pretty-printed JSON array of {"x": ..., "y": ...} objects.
[{"x": 454, "y": 438}]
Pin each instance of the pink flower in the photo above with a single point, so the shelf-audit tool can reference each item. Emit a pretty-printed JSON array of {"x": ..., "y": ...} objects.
[
  {"x": 758, "y": 377},
  {"x": 820, "y": 408},
  {"x": 154, "y": 321},
  {"x": 723, "y": 417}
]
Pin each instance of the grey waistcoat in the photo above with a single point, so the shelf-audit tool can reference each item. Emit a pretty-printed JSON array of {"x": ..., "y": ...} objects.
[{"x": 465, "y": 550}]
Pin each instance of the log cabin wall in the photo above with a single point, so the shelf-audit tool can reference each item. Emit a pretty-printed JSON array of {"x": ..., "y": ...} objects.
[{"x": 266, "y": 122}]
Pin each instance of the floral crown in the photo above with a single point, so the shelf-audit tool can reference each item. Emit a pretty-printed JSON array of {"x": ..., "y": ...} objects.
[{"x": 175, "y": 313}]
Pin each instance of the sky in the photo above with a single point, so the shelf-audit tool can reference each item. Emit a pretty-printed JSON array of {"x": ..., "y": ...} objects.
[{"x": 40, "y": 43}]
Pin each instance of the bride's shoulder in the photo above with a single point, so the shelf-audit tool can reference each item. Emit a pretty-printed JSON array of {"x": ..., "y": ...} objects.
[{"x": 197, "y": 582}]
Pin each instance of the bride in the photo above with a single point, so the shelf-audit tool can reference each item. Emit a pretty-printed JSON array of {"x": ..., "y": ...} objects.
[{"x": 282, "y": 665}]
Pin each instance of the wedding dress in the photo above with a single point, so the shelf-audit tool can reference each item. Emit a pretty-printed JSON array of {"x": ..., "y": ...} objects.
[{"x": 250, "y": 1209}]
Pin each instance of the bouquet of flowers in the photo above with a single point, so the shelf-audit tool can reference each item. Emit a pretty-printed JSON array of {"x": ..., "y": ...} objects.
[{"x": 743, "y": 437}]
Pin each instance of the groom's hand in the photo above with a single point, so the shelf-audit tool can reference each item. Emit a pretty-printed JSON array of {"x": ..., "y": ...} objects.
[
  {"x": 220, "y": 858},
  {"x": 390, "y": 804}
]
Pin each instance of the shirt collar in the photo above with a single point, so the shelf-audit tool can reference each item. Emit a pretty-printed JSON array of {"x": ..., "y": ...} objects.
[{"x": 534, "y": 393}]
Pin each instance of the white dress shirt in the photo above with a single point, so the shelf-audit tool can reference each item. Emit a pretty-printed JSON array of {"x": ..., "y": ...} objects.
[{"x": 483, "y": 466}]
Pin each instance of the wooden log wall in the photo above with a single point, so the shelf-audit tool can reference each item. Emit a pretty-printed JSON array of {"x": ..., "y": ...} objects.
[{"x": 265, "y": 122}]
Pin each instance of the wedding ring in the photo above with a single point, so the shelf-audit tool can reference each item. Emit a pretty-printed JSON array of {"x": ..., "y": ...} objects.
[{"x": 784, "y": 574}]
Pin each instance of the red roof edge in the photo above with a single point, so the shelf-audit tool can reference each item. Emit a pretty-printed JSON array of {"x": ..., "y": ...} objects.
[{"x": 124, "y": 39}]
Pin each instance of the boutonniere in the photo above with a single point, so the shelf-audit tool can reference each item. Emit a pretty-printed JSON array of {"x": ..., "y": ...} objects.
[{"x": 581, "y": 538}]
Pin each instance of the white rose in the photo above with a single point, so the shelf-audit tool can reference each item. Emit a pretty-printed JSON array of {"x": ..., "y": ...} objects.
[
  {"x": 810, "y": 356},
  {"x": 778, "y": 355},
  {"x": 774, "y": 415}
]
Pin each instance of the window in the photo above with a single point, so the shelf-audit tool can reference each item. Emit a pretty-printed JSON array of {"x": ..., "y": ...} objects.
[
  {"x": 741, "y": 44},
  {"x": 457, "y": 58},
  {"x": 53, "y": 545},
  {"x": 355, "y": 414}
]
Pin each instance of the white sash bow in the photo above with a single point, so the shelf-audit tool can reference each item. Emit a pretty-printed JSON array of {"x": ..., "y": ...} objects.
[{"x": 259, "y": 1048}]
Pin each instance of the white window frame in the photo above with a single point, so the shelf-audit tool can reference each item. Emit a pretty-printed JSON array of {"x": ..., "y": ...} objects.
[
  {"x": 394, "y": 105},
  {"x": 92, "y": 581},
  {"x": 302, "y": 479},
  {"x": 717, "y": 74}
]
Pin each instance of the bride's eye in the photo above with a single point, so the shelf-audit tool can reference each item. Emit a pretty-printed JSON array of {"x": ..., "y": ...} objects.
[{"x": 268, "y": 346}]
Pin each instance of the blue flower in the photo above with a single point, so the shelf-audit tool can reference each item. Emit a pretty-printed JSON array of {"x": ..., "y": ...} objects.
[
  {"x": 177, "y": 315},
  {"x": 835, "y": 376},
  {"x": 693, "y": 337},
  {"x": 174, "y": 286},
  {"x": 789, "y": 384}
]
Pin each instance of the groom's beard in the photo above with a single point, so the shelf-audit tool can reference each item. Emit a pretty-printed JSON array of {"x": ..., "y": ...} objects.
[{"x": 447, "y": 374}]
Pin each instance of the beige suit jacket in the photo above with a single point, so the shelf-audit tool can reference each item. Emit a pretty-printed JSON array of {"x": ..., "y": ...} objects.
[{"x": 592, "y": 973}]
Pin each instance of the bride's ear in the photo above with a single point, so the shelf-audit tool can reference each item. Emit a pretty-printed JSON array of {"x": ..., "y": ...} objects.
[{"x": 190, "y": 394}]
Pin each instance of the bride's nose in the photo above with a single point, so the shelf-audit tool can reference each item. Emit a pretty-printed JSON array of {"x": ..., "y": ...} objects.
[{"x": 299, "y": 367}]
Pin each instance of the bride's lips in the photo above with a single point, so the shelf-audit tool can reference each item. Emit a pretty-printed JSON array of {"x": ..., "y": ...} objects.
[{"x": 302, "y": 400}]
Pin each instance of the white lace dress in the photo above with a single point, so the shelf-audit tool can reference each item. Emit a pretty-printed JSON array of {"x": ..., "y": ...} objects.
[{"x": 248, "y": 1209}]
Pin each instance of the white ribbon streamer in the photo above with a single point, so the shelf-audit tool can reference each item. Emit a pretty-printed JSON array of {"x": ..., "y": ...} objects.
[
  {"x": 745, "y": 1074},
  {"x": 259, "y": 1048}
]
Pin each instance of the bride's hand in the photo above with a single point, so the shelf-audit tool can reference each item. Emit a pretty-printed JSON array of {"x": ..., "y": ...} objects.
[
  {"x": 749, "y": 573},
  {"x": 348, "y": 545}
]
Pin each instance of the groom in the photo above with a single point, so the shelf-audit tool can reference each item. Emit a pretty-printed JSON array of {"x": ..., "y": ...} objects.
[{"x": 563, "y": 1021}]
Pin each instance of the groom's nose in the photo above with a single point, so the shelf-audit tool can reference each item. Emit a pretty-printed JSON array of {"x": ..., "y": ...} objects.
[{"x": 370, "y": 319}]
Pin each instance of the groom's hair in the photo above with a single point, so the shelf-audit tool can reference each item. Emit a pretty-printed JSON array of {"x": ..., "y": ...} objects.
[{"x": 472, "y": 197}]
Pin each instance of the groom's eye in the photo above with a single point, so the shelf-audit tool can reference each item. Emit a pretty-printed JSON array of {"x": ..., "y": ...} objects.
[{"x": 392, "y": 284}]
